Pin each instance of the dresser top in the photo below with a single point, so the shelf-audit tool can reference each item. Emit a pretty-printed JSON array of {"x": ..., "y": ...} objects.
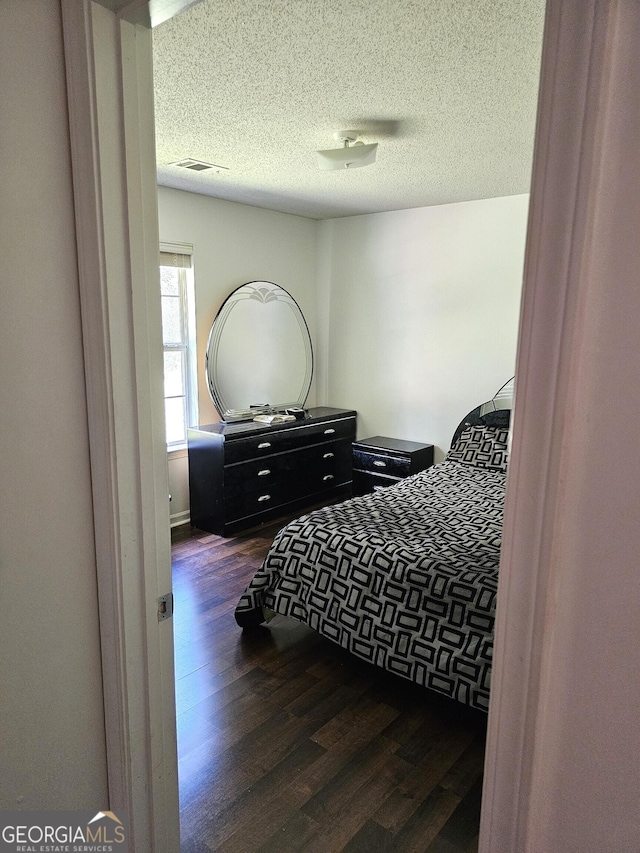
[{"x": 317, "y": 414}]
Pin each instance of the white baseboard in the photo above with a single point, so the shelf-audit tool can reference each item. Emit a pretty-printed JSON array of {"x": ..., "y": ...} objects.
[{"x": 179, "y": 518}]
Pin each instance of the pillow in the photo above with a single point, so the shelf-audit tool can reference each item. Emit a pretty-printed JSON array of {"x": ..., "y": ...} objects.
[{"x": 482, "y": 447}]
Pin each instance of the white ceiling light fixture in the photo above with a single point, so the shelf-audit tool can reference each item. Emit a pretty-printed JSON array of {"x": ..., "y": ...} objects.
[{"x": 352, "y": 155}]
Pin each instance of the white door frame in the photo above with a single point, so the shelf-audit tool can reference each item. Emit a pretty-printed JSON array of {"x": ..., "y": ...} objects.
[
  {"x": 547, "y": 330},
  {"x": 583, "y": 165},
  {"x": 110, "y": 94},
  {"x": 114, "y": 185}
]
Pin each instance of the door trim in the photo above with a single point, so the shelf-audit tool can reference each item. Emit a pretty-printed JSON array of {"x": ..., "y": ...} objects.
[
  {"x": 110, "y": 99},
  {"x": 563, "y": 206}
]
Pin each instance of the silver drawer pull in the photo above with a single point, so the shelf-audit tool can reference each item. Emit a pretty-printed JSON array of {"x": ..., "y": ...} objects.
[
  {"x": 263, "y": 445},
  {"x": 264, "y": 498},
  {"x": 328, "y": 477},
  {"x": 328, "y": 456},
  {"x": 379, "y": 464},
  {"x": 264, "y": 472},
  {"x": 329, "y": 431}
]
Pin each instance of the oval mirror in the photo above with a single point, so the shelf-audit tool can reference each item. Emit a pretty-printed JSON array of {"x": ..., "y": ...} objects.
[{"x": 259, "y": 355}]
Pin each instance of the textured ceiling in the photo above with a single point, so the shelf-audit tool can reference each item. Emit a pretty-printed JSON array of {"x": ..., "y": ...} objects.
[{"x": 448, "y": 89}]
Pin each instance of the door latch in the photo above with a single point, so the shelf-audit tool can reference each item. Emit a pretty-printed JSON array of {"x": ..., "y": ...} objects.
[{"x": 165, "y": 606}]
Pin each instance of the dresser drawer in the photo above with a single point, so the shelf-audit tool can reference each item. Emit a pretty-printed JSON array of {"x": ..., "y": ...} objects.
[
  {"x": 302, "y": 473},
  {"x": 238, "y": 505},
  {"x": 300, "y": 469},
  {"x": 257, "y": 475},
  {"x": 328, "y": 466},
  {"x": 378, "y": 463},
  {"x": 293, "y": 437}
]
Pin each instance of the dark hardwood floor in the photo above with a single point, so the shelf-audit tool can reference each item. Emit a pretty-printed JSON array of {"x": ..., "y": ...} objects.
[{"x": 288, "y": 743}]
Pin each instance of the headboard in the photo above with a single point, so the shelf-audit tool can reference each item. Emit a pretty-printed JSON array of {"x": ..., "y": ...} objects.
[{"x": 495, "y": 412}]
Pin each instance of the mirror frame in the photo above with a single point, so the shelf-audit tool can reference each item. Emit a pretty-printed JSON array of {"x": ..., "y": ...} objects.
[{"x": 266, "y": 293}]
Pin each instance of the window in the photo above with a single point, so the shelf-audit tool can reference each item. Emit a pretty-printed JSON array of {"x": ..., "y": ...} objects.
[{"x": 178, "y": 337}]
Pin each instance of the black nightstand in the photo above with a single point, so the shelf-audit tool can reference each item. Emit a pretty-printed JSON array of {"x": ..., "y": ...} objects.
[{"x": 381, "y": 461}]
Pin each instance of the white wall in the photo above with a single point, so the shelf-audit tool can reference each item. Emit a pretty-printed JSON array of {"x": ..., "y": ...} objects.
[
  {"x": 423, "y": 310},
  {"x": 178, "y": 462},
  {"x": 51, "y": 702}
]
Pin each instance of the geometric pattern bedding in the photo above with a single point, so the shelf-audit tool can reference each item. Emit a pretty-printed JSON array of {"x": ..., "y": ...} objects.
[
  {"x": 405, "y": 577},
  {"x": 482, "y": 447}
]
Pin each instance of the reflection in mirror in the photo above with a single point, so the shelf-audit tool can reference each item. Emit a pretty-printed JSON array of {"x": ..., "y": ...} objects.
[
  {"x": 259, "y": 355},
  {"x": 502, "y": 399}
]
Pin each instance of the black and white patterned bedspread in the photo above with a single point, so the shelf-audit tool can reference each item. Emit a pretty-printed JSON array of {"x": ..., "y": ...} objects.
[{"x": 405, "y": 577}]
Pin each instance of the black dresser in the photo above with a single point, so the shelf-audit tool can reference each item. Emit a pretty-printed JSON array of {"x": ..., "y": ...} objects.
[
  {"x": 382, "y": 461},
  {"x": 245, "y": 473}
]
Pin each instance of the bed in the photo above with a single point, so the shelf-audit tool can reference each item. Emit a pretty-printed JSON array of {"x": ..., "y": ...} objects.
[{"x": 406, "y": 577}]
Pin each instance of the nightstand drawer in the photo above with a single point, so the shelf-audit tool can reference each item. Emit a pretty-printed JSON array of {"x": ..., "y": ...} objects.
[
  {"x": 382, "y": 461},
  {"x": 377, "y": 463},
  {"x": 365, "y": 482}
]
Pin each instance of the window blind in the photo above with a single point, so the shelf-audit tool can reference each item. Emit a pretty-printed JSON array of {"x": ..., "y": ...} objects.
[{"x": 175, "y": 259}]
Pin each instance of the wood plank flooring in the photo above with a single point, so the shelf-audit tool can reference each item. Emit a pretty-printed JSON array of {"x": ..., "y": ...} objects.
[{"x": 288, "y": 743}]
